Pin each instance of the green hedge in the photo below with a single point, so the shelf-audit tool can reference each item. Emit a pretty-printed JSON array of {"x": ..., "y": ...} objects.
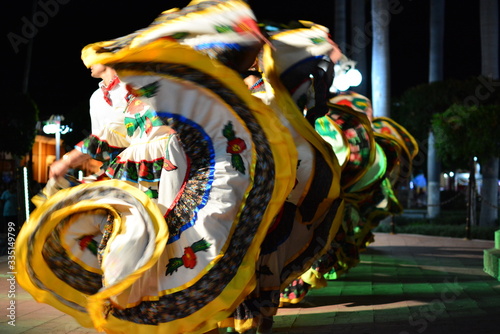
[
  {"x": 449, "y": 225},
  {"x": 484, "y": 233}
]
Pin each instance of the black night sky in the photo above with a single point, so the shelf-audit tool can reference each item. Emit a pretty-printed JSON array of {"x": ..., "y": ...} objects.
[{"x": 59, "y": 81}]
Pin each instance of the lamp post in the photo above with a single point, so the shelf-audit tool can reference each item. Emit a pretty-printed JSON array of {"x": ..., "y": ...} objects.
[{"x": 53, "y": 126}]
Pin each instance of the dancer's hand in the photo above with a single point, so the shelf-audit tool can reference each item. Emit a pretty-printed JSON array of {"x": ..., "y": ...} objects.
[{"x": 58, "y": 168}]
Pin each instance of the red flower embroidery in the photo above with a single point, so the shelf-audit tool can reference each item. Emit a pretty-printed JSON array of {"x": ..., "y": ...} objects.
[
  {"x": 356, "y": 157},
  {"x": 236, "y": 146},
  {"x": 189, "y": 258},
  {"x": 350, "y": 133},
  {"x": 385, "y": 130},
  {"x": 143, "y": 170},
  {"x": 85, "y": 241},
  {"x": 168, "y": 165},
  {"x": 111, "y": 171},
  {"x": 131, "y": 90},
  {"x": 148, "y": 126},
  {"x": 338, "y": 120},
  {"x": 246, "y": 24}
]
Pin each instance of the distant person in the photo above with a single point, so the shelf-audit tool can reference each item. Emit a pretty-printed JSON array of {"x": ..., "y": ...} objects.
[
  {"x": 420, "y": 186},
  {"x": 9, "y": 201}
]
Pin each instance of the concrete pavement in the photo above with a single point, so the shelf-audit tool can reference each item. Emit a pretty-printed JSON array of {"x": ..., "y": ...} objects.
[{"x": 404, "y": 284}]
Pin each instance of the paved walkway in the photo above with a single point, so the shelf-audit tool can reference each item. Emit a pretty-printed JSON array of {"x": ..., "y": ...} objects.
[{"x": 404, "y": 284}]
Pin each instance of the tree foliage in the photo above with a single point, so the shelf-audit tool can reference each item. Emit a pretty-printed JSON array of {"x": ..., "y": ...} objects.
[
  {"x": 462, "y": 132},
  {"x": 414, "y": 109},
  {"x": 19, "y": 124}
]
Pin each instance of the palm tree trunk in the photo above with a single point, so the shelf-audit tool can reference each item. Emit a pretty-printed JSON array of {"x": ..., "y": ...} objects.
[
  {"x": 489, "y": 193},
  {"x": 489, "y": 68},
  {"x": 436, "y": 40},
  {"x": 433, "y": 180},
  {"x": 380, "y": 59},
  {"x": 435, "y": 74},
  {"x": 340, "y": 34},
  {"x": 359, "y": 42},
  {"x": 489, "y": 38},
  {"x": 471, "y": 199}
]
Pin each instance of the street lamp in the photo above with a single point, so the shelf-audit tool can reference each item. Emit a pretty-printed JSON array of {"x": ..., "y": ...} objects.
[{"x": 53, "y": 126}]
